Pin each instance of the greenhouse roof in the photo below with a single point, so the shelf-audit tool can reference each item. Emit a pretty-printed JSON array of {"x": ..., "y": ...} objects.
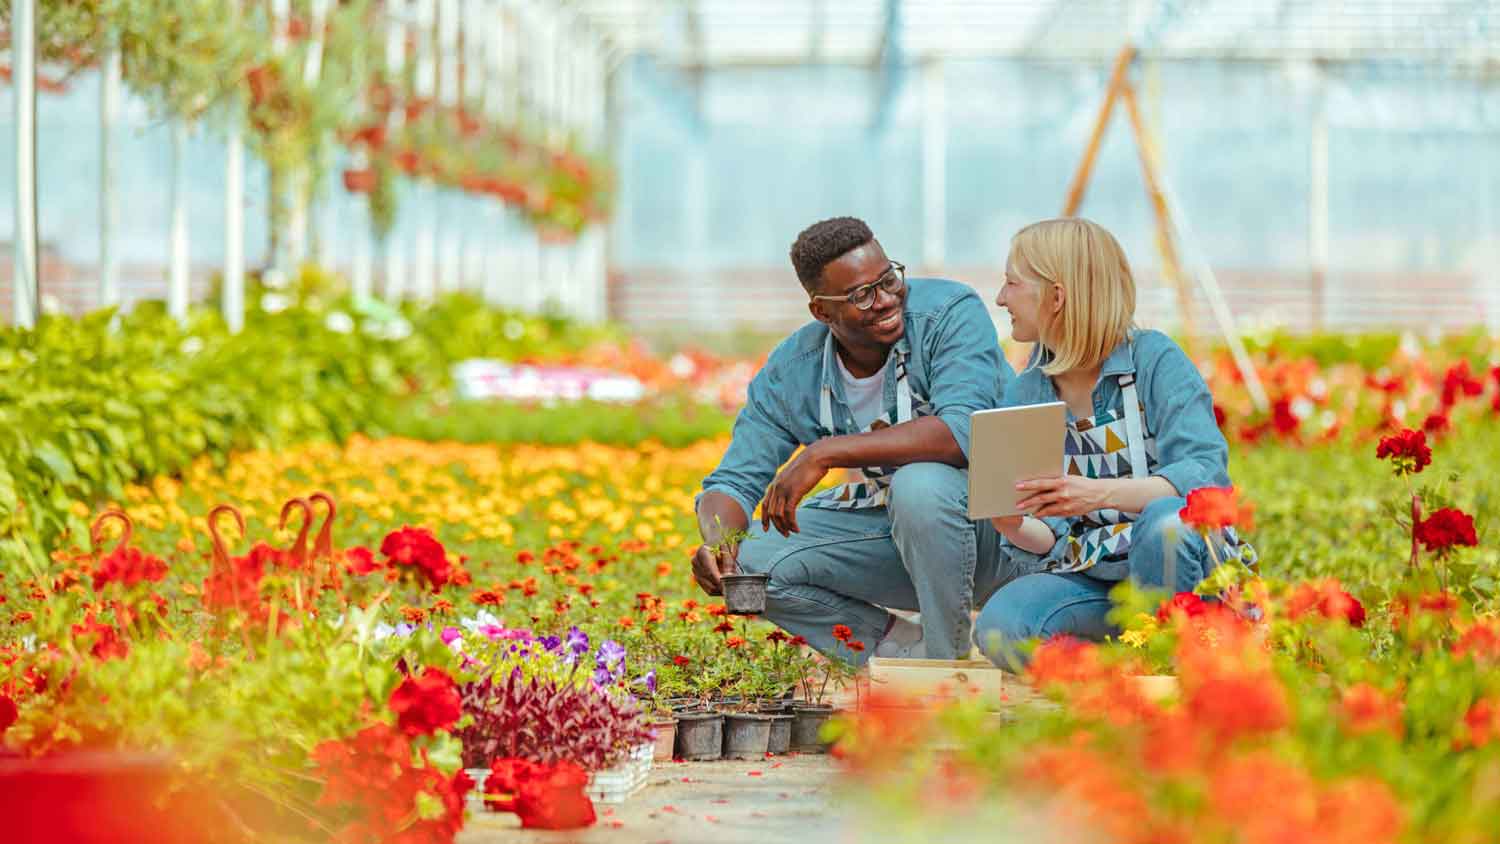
[{"x": 1458, "y": 34}]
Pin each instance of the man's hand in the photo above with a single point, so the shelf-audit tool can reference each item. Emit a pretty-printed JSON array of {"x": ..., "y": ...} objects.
[
  {"x": 709, "y": 566},
  {"x": 779, "y": 507},
  {"x": 1064, "y": 495}
]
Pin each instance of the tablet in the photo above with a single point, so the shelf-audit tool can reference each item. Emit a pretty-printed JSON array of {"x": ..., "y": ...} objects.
[{"x": 1010, "y": 444}]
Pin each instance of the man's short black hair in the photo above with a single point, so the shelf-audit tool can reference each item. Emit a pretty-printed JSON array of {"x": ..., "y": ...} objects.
[{"x": 824, "y": 242}]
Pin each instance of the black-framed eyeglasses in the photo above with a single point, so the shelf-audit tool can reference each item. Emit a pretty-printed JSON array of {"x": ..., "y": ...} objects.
[{"x": 893, "y": 281}]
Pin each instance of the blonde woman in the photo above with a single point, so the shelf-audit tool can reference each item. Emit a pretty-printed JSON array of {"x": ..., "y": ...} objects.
[{"x": 1140, "y": 434}]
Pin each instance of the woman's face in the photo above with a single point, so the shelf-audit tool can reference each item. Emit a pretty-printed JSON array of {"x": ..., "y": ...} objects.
[{"x": 1022, "y": 299}]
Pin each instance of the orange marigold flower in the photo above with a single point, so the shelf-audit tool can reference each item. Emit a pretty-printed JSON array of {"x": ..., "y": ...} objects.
[
  {"x": 442, "y": 606},
  {"x": 1481, "y": 723},
  {"x": 489, "y": 598},
  {"x": 524, "y": 557},
  {"x": 1482, "y": 642},
  {"x": 734, "y": 642},
  {"x": 627, "y": 622},
  {"x": 414, "y": 615},
  {"x": 663, "y": 569},
  {"x": 716, "y": 609}
]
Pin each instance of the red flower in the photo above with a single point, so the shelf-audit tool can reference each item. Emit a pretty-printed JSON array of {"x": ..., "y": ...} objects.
[
  {"x": 842, "y": 633},
  {"x": 417, "y": 548},
  {"x": 424, "y": 705},
  {"x": 1459, "y": 380},
  {"x": 1446, "y": 529},
  {"x": 542, "y": 796},
  {"x": 1408, "y": 450},
  {"x": 1283, "y": 419},
  {"x": 855, "y": 645},
  {"x": 1219, "y": 416},
  {"x": 8, "y": 713},
  {"x": 127, "y": 567},
  {"x": 1235, "y": 703},
  {"x": 734, "y": 642},
  {"x": 524, "y": 557},
  {"x": 107, "y": 643},
  {"x": 797, "y": 642},
  {"x": 724, "y": 627},
  {"x": 1436, "y": 423},
  {"x": 681, "y": 661},
  {"x": 360, "y": 561},
  {"x": 1482, "y": 722},
  {"x": 1482, "y": 642},
  {"x": 1367, "y": 709},
  {"x": 1186, "y": 603},
  {"x": 372, "y": 771},
  {"x": 1327, "y": 599},
  {"x": 777, "y": 636},
  {"x": 1438, "y": 602},
  {"x": 1211, "y": 508}
]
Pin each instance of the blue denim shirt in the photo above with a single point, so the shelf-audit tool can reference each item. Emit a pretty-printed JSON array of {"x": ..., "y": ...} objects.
[
  {"x": 954, "y": 360},
  {"x": 1191, "y": 451}
]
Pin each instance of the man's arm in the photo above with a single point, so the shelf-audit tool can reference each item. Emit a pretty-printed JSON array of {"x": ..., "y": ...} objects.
[{"x": 924, "y": 440}]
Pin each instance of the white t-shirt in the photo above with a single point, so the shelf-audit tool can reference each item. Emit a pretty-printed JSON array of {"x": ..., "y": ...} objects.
[{"x": 866, "y": 396}]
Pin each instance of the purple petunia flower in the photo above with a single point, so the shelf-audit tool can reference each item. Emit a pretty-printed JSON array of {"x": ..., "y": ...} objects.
[
  {"x": 611, "y": 653},
  {"x": 551, "y": 643},
  {"x": 578, "y": 641}
]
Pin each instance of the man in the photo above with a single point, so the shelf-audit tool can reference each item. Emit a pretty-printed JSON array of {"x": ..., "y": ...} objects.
[{"x": 883, "y": 381}]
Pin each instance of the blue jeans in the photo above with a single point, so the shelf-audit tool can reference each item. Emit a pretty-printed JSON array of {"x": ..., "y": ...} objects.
[
  {"x": 1040, "y": 606},
  {"x": 919, "y": 552}
]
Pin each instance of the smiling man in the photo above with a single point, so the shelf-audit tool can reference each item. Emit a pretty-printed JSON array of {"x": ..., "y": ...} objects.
[{"x": 883, "y": 382}]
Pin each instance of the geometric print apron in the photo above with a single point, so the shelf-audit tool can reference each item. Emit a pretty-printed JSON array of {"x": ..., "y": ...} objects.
[
  {"x": 874, "y": 484},
  {"x": 1116, "y": 444},
  {"x": 1113, "y": 444}
]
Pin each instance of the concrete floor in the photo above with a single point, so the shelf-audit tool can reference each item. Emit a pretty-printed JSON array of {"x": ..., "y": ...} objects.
[{"x": 782, "y": 799}]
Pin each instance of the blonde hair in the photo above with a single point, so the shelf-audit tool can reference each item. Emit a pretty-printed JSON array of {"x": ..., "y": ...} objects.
[{"x": 1098, "y": 309}]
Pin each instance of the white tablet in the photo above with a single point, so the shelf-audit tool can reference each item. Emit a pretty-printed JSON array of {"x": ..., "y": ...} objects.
[{"x": 1010, "y": 444}]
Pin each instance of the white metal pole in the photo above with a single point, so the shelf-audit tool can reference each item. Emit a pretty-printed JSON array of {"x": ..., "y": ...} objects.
[
  {"x": 396, "y": 269},
  {"x": 24, "y": 286},
  {"x": 232, "y": 300},
  {"x": 232, "y": 297},
  {"x": 109, "y": 211},
  {"x": 934, "y": 166},
  {"x": 1317, "y": 212},
  {"x": 178, "y": 290},
  {"x": 449, "y": 200},
  {"x": 426, "y": 85}
]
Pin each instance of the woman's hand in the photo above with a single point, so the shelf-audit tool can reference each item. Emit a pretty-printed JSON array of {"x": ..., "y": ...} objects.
[{"x": 1064, "y": 495}]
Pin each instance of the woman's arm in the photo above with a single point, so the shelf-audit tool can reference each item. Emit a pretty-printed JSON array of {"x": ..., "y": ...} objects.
[
  {"x": 1074, "y": 495},
  {"x": 1024, "y": 532}
]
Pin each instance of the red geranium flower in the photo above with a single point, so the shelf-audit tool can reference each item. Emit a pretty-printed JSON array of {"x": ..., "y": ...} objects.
[
  {"x": 1211, "y": 508},
  {"x": 1446, "y": 529},
  {"x": 360, "y": 561},
  {"x": 424, "y": 705},
  {"x": 417, "y": 548},
  {"x": 1408, "y": 450},
  {"x": 1184, "y": 602},
  {"x": 127, "y": 567},
  {"x": 681, "y": 661},
  {"x": 1327, "y": 599},
  {"x": 842, "y": 633},
  {"x": 542, "y": 796},
  {"x": 9, "y": 712}
]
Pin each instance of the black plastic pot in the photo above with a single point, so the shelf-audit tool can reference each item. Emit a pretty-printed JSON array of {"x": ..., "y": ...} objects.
[
  {"x": 747, "y": 735},
  {"x": 781, "y": 734},
  {"x": 807, "y": 722},
  {"x": 700, "y": 736},
  {"x": 745, "y": 594}
]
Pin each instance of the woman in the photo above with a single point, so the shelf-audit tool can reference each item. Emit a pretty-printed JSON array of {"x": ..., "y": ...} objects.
[{"x": 1112, "y": 513}]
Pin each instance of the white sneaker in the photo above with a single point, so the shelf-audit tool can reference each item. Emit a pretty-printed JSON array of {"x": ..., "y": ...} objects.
[{"x": 904, "y": 641}]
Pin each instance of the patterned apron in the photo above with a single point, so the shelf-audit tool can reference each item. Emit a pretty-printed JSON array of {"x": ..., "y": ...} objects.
[
  {"x": 1115, "y": 444},
  {"x": 874, "y": 485}
]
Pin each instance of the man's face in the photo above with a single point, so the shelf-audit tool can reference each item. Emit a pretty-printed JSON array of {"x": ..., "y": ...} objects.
[{"x": 882, "y": 324}]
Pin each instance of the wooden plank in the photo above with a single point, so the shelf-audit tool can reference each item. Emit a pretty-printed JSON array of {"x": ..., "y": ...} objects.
[{"x": 926, "y": 679}]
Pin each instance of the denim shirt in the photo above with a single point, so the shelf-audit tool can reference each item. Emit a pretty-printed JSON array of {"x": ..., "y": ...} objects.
[
  {"x": 1179, "y": 413},
  {"x": 954, "y": 361}
]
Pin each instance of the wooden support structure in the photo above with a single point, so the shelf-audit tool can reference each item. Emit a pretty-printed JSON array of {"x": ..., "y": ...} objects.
[
  {"x": 1171, "y": 266},
  {"x": 1091, "y": 152}
]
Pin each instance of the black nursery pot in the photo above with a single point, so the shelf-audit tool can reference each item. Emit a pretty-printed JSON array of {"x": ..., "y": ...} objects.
[
  {"x": 700, "y": 736},
  {"x": 747, "y": 735},
  {"x": 808, "y": 720},
  {"x": 781, "y": 734},
  {"x": 745, "y": 594}
]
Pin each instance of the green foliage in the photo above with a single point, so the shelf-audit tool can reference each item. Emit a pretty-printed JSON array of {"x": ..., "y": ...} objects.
[{"x": 90, "y": 405}]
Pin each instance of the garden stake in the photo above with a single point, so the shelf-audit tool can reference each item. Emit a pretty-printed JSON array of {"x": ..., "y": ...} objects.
[
  {"x": 323, "y": 545},
  {"x": 298, "y": 552},
  {"x": 221, "y": 557},
  {"x": 96, "y": 535}
]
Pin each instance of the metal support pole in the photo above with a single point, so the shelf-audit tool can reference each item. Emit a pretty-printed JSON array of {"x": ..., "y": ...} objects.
[
  {"x": 232, "y": 299},
  {"x": 1317, "y": 210},
  {"x": 24, "y": 286},
  {"x": 396, "y": 269},
  {"x": 109, "y": 211},
  {"x": 178, "y": 289},
  {"x": 934, "y": 166}
]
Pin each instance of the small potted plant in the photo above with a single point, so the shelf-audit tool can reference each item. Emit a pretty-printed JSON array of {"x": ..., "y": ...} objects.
[
  {"x": 817, "y": 674},
  {"x": 744, "y": 594}
]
